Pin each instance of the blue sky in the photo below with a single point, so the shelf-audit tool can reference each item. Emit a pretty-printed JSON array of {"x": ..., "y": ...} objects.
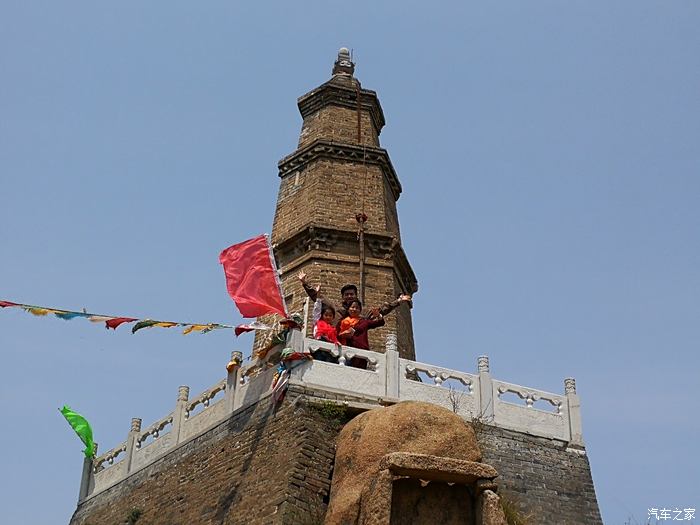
[{"x": 549, "y": 157}]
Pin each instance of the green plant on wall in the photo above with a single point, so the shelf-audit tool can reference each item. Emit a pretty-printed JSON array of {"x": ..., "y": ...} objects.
[
  {"x": 333, "y": 412},
  {"x": 511, "y": 509},
  {"x": 133, "y": 516}
]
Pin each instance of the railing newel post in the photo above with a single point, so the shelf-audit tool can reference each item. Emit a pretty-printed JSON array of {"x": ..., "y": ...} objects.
[
  {"x": 486, "y": 399},
  {"x": 392, "y": 377},
  {"x": 131, "y": 441},
  {"x": 573, "y": 403},
  {"x": 232, "y": 370},
  {"x": 180, "y": 413},
  {"x": 87, "y": 479}
]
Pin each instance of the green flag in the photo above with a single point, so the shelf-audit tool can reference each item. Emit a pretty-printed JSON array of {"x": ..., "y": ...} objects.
[{"x": 81, "y": 427}]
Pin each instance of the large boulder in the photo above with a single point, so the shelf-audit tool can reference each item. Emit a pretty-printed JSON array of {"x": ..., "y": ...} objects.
[{"x": 410, "y": 426}]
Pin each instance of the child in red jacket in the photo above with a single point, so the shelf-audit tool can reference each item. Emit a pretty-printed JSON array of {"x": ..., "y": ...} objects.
[{"x": 324, "y": 329}]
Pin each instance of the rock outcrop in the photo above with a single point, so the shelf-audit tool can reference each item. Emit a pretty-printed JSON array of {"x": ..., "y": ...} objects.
[{"x": 384, "y": 457}]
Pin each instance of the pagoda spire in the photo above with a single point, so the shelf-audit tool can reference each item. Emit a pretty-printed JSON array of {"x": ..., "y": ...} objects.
[{"x": 344, "y": 64}]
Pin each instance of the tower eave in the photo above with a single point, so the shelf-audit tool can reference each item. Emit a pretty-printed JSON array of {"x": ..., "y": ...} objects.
[
  {"x": 343, "y": 152},
  {"x": 316, "y": 241},
  {"x": 335, "y": 93}
]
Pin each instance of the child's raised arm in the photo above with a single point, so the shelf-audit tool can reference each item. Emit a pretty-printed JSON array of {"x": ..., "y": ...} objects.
[{"x": 312, "y": 292}]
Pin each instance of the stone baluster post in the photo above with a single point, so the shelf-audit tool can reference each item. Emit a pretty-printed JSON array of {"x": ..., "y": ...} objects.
[
  {"x": 180, "y": 413},
  {"x": 574, "y": 409},
  {"x": 486, "y": 408},
  {"x": 87, "y": 480},
  {"x": 392, "y": 365},
  {"x": 304, "y": 329},
  {"x": 131, "y": 443},
  {"x": 295, "y": 340},
  {"x": 232, "y": 377}
]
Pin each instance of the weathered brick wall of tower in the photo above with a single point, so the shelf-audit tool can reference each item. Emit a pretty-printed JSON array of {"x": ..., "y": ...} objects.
[
  {"x": 266, "y": 465},
  {"x": 328, "y": 180},
  {"x": 261, "y": 466}
]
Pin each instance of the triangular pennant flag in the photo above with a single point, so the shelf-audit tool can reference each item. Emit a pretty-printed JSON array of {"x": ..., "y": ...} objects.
[
  {"x": 203, "y": 328},
  {"x": 249, "y": 327},
  {"x": 37, "y": 311},
  {"x": 116, "y": 321},
  {"x": 98, "y": 318},
  {"x": 67, "y": 316},
  {"x": 164, "y": 324},
  {"x": 147, "y": 323}
]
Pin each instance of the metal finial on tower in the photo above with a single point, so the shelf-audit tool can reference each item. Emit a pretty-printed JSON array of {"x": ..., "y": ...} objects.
[{"x": 344, "y": 64}]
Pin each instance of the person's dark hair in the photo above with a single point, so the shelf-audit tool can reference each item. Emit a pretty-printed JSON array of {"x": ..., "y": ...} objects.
[
  {"x": 327, "y": 307},
  {"x": 348, "y": 287}
]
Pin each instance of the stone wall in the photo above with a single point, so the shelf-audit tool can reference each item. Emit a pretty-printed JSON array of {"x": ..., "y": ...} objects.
[
  {"x": 274, "y": 467},
  {"x": 258, "y": 466},
  {"x": 543, "y": 477}
]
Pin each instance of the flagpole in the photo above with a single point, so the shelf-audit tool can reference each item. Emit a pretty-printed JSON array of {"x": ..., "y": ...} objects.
[
  {"x": 277, "y": 273},
  {"x": 306, "y": 315}
]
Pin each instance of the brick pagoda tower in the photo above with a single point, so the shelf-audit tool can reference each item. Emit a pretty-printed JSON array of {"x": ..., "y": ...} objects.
[
  {"x": 337, "y": 175},
  {"x": 228, "y": 455}
]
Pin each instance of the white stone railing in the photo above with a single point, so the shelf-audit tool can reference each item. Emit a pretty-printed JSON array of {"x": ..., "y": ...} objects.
[
  {"x": 478, "y": 397},
  {"x": 387, "y": 379}
]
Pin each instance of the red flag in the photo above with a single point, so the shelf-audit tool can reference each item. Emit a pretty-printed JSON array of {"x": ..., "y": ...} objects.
[
  {"x": 115, "y": 322},
  {"x": 251, "y": 278},
  {"x": 249, "y": 327},
  {"x": 242, "y": 329},
  {"x": 3, "y": 304}
]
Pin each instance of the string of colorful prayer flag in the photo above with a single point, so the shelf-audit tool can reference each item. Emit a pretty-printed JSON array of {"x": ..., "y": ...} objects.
[{"x": 112, "y": 321}]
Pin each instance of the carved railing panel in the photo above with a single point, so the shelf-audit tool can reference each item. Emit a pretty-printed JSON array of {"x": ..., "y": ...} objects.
[
  {"x": 109, "y": 458},
  {"x": 253, "y": 389},
  {"x": 203, "y": 420},
  {"x": 203, "y": 400},
  {"x": 108, "y": 470},
  {"x": 154, "y": 432},
  {"x": 526, "y": 416},
  {"x": 151, "y": 451},
  {"x": 439, "y": 387},
  {"x": 370, "y": 382},
  {"x": 203, "y": 411}
]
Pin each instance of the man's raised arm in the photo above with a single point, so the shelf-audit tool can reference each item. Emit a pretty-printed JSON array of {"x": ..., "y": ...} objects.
[{"x": 386, "y": 308}]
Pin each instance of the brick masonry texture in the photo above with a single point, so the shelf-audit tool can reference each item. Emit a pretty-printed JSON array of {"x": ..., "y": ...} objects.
[
  {"x": 544, "y": 479},
  {"x": 339, "y": 125},
  {"x": 329, "y": 194},
  {"x": 263, "y": 466},
  {"x": 259, "y": 467}
]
